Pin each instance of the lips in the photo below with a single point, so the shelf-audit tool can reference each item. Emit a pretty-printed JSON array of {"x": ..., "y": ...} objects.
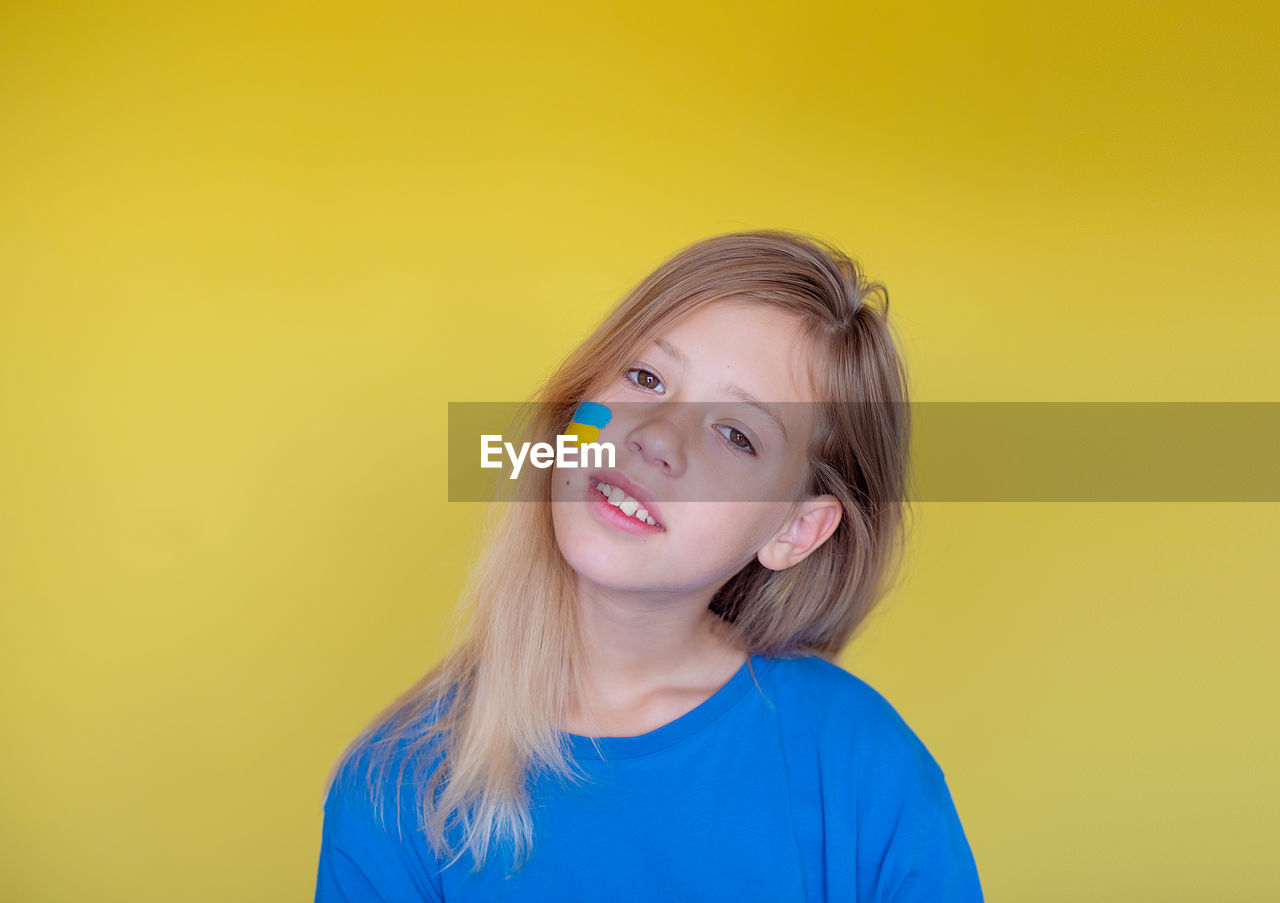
[{"x": 635, "y": 490}]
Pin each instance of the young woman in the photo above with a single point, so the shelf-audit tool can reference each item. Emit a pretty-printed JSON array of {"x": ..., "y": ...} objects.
[{"x": 643, "y": 706}]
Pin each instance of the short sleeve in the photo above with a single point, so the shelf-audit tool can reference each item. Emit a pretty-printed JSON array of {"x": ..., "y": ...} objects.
[
  {"x": 889, "y": 805},
  {"x": 939, "y": 863},
  {"x": 362, "y": 859}
]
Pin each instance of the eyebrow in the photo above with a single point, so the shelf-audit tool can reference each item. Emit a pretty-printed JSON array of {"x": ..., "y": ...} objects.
[{"x": 734, "y": 390}]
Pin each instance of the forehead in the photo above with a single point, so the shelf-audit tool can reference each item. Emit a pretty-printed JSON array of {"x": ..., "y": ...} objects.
[{"x": 753, "y": 346}]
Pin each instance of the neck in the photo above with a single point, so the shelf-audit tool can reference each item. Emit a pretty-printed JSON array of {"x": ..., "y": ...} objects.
[{"x": 637, "y": 644}]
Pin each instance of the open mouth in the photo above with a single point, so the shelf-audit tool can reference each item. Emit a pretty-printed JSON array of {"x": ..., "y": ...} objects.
[{"x": 618, "y": 498}]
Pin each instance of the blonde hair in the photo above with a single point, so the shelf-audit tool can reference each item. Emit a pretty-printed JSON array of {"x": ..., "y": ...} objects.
[{"x": 473, "y": 731}]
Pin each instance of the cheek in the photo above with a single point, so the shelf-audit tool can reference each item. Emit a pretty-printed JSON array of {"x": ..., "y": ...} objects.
[
  {"x": 756, "y": 524},
  {"x": 757, "y": 490},
  {"x": 561, "y": 494},
  {"x": 566, "y": 483},
  {"x": 734, "y": 529}
]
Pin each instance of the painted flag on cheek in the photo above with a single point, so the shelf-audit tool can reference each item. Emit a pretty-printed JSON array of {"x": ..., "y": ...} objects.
[{"x": 588, "y": 421}]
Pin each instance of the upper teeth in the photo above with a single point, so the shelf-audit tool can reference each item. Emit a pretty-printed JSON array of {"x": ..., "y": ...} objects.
[{"x": 624, "y": 503}]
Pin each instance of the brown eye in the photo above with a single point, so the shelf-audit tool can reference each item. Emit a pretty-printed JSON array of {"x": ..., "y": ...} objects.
[
  {"x": 738, "y": 439},
  {"x": 645, "y": 379}
]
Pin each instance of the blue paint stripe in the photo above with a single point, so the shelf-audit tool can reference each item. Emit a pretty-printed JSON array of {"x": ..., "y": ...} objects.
[{"x": 592, "y": 414}]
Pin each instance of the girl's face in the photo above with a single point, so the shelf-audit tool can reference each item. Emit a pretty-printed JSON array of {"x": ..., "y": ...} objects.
[{"x": 710, "y": 414}]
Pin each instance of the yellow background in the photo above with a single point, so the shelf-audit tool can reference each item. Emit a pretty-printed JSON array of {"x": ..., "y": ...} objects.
[{"x": 248, "y": 253}]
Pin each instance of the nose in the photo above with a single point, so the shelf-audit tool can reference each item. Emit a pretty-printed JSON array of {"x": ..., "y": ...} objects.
[{"x": 659, "y": 440}]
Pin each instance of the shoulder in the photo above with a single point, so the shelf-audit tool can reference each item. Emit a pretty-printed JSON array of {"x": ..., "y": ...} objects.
[
  {"x": 369, "y": 788},
  {"x": 878, "y": 789},
  {"x": 372, "y": 843},
  {"x": 845, "y": 715},
  {"x": 834, "y": 693},
  {"x": 379, "y": 776}
]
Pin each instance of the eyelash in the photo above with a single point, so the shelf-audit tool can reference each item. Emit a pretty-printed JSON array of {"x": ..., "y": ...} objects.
[{"x": 749, "y": 449}]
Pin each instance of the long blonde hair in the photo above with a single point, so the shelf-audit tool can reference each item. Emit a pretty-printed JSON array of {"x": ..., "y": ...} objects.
[{"x": 470, "y": 734}]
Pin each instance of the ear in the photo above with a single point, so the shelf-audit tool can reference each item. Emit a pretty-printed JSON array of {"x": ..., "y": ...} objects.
[{"x": 809, "y": 528}]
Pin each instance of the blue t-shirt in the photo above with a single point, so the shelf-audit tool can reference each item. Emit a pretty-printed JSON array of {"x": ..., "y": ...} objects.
[{"x": 799, "y": 782}]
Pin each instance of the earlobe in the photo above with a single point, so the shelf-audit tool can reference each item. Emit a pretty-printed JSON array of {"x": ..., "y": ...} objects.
[{"x": 813, "y": 525}]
